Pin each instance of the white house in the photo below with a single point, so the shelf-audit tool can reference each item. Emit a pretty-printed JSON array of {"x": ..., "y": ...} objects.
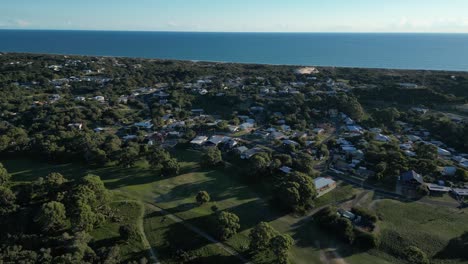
[
  {"x": 324, "y": 185},
  {"x": 99, "y": 98},
  {"x": 199, "y": 141}
]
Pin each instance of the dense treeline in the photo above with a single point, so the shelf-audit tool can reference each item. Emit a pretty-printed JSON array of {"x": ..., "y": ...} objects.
[{"x": 49, "y": 220}]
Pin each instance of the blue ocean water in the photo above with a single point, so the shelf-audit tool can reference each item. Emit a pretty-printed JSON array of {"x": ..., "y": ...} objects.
[{"x": 369, "y": 50}]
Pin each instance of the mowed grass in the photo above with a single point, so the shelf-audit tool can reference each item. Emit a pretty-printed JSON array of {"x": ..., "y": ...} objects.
[
  {"x": 129, "y": 212},
  {"x": 428, "y": 227},
  {"x": 177, "y": 195},
  {"x": 167, "y": 237}
]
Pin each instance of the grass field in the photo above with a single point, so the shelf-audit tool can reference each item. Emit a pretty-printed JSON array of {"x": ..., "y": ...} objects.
[
  {"x": 428, "y": 227},
  {"x": 131, "y": 212},
  {"x": 228, "y": 192}
]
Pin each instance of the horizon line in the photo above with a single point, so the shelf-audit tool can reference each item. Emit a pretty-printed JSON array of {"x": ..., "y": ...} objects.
[{"x": 246, "y": 32}]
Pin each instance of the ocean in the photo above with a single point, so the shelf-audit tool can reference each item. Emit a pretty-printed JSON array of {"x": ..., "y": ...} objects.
[{"x": 366, "y": 50}]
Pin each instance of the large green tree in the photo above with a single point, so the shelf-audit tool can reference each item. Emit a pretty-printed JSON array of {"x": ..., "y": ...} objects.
[
  {"x": 7, "y": 201},
  {"x": 4, "y": 176},
  {"x": 211, "y": 157},
  {"x": 52, "y": 217},
  {"x": 228, "y": 224},
  {"x": 260, "y": 236},
  {"x": 280, "y": 245}
]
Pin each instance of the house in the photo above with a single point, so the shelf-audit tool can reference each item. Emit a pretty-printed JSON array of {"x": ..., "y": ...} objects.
[
  {"x": 99, "y": 129},
  {"x": 408, "y": 85},
  {"x": 197, "y": 111},
  {"x": 129, "y": 137},
  {"x": 80, "y": 98},
  {"x": 460, "y": 193},
  {"x": 318, "y": 130},
  {"x": 285, "y": 169},
  {"x": 276, "y": 136},
  {"x": 349, "y": 121},
  {"x": 411, "y": 178},
  {"x": 382, "y": 138},
  {"x": 354, "y": 129},
  {"x": 290, "y": 142},
  {"x": 285, "y": 128},
  {"x": 410, "y": 153},
  {"x": 233, "y": 128},
  {"x": 419, "y": 110},
  {"x": 449, "y": 171},
  {"x": 443, "y": 152},
  {"x": 250, "y": 153},
  {"x": 241, "y": 149},
  {"x": 144, "y": 125},
  {"x": 324, "y": 185},
  {"x": 99, "y": 98},
  {"x": 214, "y": 141},
  {"x": 198, "y": 141},
  {"x": 78, "y": 126},
  {"x": 435, "y": 189},
  {"x": 347, "y": 214},
  {"x": 245, "y": 126}
]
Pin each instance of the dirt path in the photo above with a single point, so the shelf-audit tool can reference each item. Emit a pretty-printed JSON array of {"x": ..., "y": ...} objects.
[
  {"x": 144, "y": 239},
  {"x": 200, "y": 232},
  {"x": 330, "y": 255},
  {"x": 153, "y": 256}
]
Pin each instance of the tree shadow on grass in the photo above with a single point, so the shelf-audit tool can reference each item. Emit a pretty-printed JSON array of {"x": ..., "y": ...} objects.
[
  {"x": 106, "y": 242},
  {"x": 457, "y": 248},
  {"x": 215, "y": 259}
]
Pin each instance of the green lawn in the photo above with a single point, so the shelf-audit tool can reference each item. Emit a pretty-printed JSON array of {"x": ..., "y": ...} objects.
[
  {"x": 177, "y": 195},
  {"x": 130, "y": 212},
  {"x": 428, "y": 227},
  {"x": 167, "y": 236}
]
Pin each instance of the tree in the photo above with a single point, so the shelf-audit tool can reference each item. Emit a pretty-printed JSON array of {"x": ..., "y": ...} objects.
[
  {"x": 52, "y": 184},
  {"x": 462, "y": 175},
  {"x": 280, "y": 245},
  {"x": 426, "y": 151},
  {"x": 4, "y": 176},
  {"x": 203, "y": 197},
  {"x": 160, "y": 159},
  {"x": 84, "y": 218},
  {"x": 259, "y": 165},
  {"x": 415, "y": 255},
  {"x": 296, "y": 191},
  {"x": 260, "y": 236},
  {"x": 228, "y": 224},
  {"x": 54, "y": 180},
  {"x": 211, "y": 157},
  {"x": 7, "y": 201},
  {"x": 170, "y": 167},
  {"x": 304, "y": 163},
  {"x": 128, "y": 232},
  {"x": 95, "y": 184},
  {"x": 52, "y": 217},
  {"x": 129, "y": 155}
]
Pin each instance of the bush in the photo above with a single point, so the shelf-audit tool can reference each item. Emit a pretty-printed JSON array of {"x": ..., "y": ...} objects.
[
  {"x": 415, "y": 255},
  {"x": 202, "y": 197},
  {"x": 365, "y": 214},
  {"x": 366, "y": 240}
]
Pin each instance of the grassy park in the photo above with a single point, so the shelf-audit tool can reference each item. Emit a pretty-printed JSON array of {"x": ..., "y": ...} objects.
[{"x": 137, "y": 189}]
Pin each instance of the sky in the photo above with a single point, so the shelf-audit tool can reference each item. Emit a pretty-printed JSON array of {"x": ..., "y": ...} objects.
[{"x": 442, "y": 16}]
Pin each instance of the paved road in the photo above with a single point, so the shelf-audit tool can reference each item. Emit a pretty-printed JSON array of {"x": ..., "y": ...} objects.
[{"x": 200, "y": 232}]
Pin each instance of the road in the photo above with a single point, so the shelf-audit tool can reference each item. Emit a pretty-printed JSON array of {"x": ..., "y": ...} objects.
[
  {"x": 200, "y": 232},
  {"x": 389, "y": 194}
]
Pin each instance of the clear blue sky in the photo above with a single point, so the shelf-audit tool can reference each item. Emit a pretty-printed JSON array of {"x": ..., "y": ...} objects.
[{"x": 239, "y": 15}]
